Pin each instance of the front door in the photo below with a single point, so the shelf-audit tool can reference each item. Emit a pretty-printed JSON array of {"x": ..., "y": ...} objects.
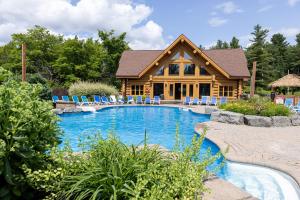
[
  {"x": 204, "y": 89},
  {"x": 158, "y": 89},
  {"x": 178, "y": 91}
]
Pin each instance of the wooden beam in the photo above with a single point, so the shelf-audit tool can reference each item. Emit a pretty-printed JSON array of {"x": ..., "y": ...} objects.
[
  {"x": 169, "y": 52},
  {"x": 157, "y": 64},
  {"x": 23, "y": 62},
  {"x": 195, "y": 51},
  {"x": 182, "y": 40},
  {"x": 207, "y": 63},
  {"x": 253, "y": 77}
]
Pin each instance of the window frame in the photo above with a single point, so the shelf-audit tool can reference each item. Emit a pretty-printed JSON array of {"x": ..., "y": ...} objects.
[
  {"x": 137, "y": 89},
  {"x": 190, "y": 65},
  {"x": 178, "y": 66}
]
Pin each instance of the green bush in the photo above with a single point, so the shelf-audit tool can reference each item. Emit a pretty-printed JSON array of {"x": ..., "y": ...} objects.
[
  {"x": 4, "y": 75},
  {"x": 28, "y": 130},
  {"x": 113, "y": 170},
  {"x": 89, "y": 89},
  {"x": 257, "y": 106}
]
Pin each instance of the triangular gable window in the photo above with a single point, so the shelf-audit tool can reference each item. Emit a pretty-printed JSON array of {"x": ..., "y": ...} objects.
[
  {"x": 203, "y": 71},
  {"x": 187, "y": 56},
  {"x": 160, "y": 71},
  {"x": 176, "y": 56}
]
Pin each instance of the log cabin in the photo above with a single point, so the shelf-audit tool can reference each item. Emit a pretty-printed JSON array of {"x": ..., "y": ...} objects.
[{"x": 183, "y": 69}]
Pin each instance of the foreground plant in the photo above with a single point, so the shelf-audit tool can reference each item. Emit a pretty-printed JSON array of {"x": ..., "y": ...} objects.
[
  {"x": 113, "y": 170},
  {"x": 28, "y": 130}
]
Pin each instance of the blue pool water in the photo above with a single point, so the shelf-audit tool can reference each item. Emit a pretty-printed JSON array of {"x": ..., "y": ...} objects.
[{"x": 130, "y": 123}]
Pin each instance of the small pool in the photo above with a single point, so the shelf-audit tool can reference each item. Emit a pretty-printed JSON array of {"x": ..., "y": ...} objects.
[{"x": 130, "y": 122}]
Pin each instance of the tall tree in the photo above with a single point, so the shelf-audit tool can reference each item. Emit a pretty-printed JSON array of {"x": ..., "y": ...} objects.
[
  {"x": 279, "y": 50},
  {"x": 234, "y": 43},
  {"x": 258, "y": 52},
  {"x": 294, "y": 56},
  {"x": 114, "y": 46}
]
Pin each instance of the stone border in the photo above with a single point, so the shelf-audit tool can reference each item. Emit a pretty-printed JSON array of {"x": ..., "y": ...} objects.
[{"x": 253, "y": 120}]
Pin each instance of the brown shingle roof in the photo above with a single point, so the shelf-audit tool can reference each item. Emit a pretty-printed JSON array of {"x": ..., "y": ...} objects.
[{"x": 233, "y": 61}]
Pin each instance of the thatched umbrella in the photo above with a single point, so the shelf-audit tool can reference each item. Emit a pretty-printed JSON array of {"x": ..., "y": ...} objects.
[{"x": 290, "y": 80}]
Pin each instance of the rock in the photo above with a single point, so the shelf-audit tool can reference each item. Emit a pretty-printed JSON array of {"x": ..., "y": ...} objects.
[
  {"x": 295, "y": 120},
  {"x": 228, "y": 117},
  {"x": 72, "y": 110},
  {"x": 259, "y": 121},
  {"x": 209, "y": 109},
  {"x": 281, "y": 121},
  {"x": 57, "y": 111}
]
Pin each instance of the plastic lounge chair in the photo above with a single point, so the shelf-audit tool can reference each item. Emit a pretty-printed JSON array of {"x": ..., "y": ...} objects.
[
  {"x": 55, "y": 99},
  {"x": 85, "y": 100},
  {"x": 120, "y": 99},
  {"x": 289, "y": 102},
  {"x": 147, "y": 100},
  {"x": 195, "y": 101},
  {"x": 213, "y": 101},
  {"x": 76, "y": 100},
  {"x": 204, "y": 100},
  {"x": 223, "y": 100},
  {"x": 187, "y": 101},
  {"x": 104, "y": 100},
  {"x": 65, "y": 98},
  {"x": 97, "y": 100},
  {"x": 297, "y": 107},
  {"x": 112, "y": 99},
  {"x": 130, "y": 99},
  {"x": 156, "y": 100},
  {"x": 139, "y": 99}
]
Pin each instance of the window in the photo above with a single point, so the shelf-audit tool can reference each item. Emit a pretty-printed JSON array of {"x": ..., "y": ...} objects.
[
  {"x": 137, "y": 90},
  {"x": 203, "y": 71},
  {"x": 189, "y": 69},
  {"x": 226, "y": 91},
  {"x": 184, "y": 90},
  {"x": 191, "y": 90},
  {"x": 176, "y": 56},
  {"x": 171, "y": 90},
  {"x": 173, "y": 69},
  {"x": 160, "y": 71},
  {"x": 187, "y": 56}
]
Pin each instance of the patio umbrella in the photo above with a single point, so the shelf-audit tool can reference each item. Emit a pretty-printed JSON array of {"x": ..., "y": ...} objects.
[{"x": 290, "y": 80}]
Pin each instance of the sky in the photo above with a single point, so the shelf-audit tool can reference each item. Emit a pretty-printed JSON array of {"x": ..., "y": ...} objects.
[{"x": 153, "y": 24}]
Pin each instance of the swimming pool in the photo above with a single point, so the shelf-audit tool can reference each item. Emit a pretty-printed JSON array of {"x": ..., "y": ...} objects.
[{"x": 130, "y": 122}]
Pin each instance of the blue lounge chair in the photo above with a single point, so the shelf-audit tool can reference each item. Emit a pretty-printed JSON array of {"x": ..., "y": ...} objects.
[
  {"x": 112, "y": 99},
  {"x": 156, "y": 100},
  {"x": 65, "y": 98},
  {"x": 187, "y": 101},
  {"x": 223, "y": 100},
  {"x": 297, "y": 107},
  {"x": 130, "y": 99},
  {"x": 76, "y": 100},
  {"x": 97, "y": 100},
  {"x": 289, "y": 102},
  {"x": 204, "y": 100},
  {"x": 139, "y": 99},
  {"x": 85, "y": 101},
  {"x": 147, "y": 100},
  {"x": 104, "y": 100},
  {"x": 195, "y": 101},
  {"x": 213, "y": 101},
  {"x": 121, "y": 99},
  {"x": 55, "y": 99}
]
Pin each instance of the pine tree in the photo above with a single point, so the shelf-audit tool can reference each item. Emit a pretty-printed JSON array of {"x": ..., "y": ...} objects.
[
  {"x": 225, "y": 45},
  {"x": 294, "y": 56},
  {"x": 279, "y": 50},
  {"x": 258, "y": 52},
  {"x": 234, "y": 43}
]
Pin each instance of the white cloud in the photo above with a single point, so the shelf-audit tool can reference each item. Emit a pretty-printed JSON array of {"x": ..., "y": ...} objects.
[
  {"x": 288, "y": 32},
  {"x": 229, "y": 7},
  {"x": 293, "y": 2},
  {"x": 217, "y": 21},
  {"x": 265, "y": 8},
  {"x": 84, "y": 18}
]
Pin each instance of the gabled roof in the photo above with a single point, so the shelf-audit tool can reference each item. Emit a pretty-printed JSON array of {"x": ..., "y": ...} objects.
[{"x": 230, "y": 62}]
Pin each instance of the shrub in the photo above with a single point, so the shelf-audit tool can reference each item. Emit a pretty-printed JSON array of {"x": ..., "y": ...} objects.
[
  {"x": 28, "y": 131},
  {"x": 256, "y": 106},
  {"x": 113, "y": 170},
  {"x": 4, "y": 75},
  {"x": 89, "y": 89}
]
